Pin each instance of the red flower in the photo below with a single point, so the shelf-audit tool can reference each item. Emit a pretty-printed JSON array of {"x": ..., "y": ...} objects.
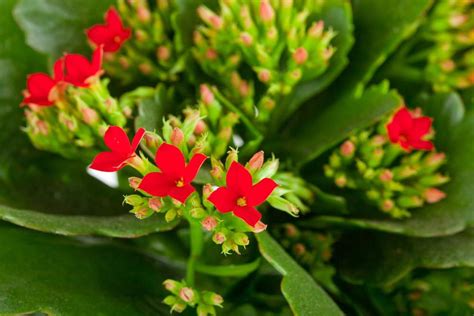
[
  {"x": 408, "y": 130},
  {"x": 111, "y": 35},
  {"x": 39, "y": 86},
  {"x": 175, "y": 176},
  {"x": 121, "y": 150},
  {"x": 79, "y": 71},
  {"x": 240, "y": 196}
]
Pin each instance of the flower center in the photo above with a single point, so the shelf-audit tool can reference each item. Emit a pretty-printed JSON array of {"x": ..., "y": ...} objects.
[
  {"x": 117, "y": 39},
  {"x": 242, "y": 201},
  {"x": 180, "y": 183}
]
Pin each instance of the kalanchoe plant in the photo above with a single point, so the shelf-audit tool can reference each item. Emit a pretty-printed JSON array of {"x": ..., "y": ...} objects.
[{"x": 393, "y": 164}]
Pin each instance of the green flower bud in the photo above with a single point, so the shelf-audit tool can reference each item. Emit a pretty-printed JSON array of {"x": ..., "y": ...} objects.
[
  {"x": 170, "y": 215},
  {"x": 134, "y": 200}
]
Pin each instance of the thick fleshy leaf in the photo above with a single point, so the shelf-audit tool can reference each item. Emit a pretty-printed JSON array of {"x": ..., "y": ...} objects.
[
  {"x": 380, "y": 258},
  {"x": 64, "y": 276},
  {"x": 57, "y": 26},
  {"x": 304, "y": 296},
  {"x": 455, "y": 130}
]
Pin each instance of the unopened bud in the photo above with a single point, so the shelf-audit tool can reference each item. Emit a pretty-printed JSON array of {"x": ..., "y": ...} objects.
[
  {"x": 240, "y": 239},
  {"x": 259, "y": 227},
  {"x": 341, "y": 181},
  {"x": 347, "y": 148},
  {"x": 211, "y": 54},
  {"x": 197, "y": 212},
  {"x": 299, "y": 249},
  {"x": 145, "y": 68},
  {"x": 124, "y": 62},
  {"x": 209, "y": 223},
  {"x": 142, "y": 212},
  {"x": 458, "y": 20},
  {"x": 268, "y": 169},
  {"x": 89, "y": 116},
  {"x": 219, "y": 238},
  {"x": 229, "y": 246},
  {"x": 435, "y": 159},
  {"x": 217, "y": 168},
  {"x": 300, "y": 55},
  {"x": 155, "y": 203},
  {"x": 152, "y": 141},
  {"x": 386, "y": 176},
  {"x": 170, "y": 215},
  {"x": 163, "y": 53},
  {"x": 232, "y": 155},
  {"x": 409, "y": 201},
  {"x": 291, "y": 230},
  {"x": 316, "y": 29},
  {"x": 264, "y": 75},
  {"x": 206, "y": 191},
  {"x": 207, "y": 96},
  {"x": 200, "y": 127},
  {"x": 172, "y": 286},
  {"x": 448, "y": 65},
  {"x": 143, "y": 14},
  {"x": 177, "y": 136},
  {"x": 133, "y": 200},
  {"x": 211, "y": 298},
  {"x": 187, "y": 294},
  {"x": 134, "y": 182},
  {"x": 387, "y": 205},
  {"x": 433, "y": 195},
  {"x": 246, "y": 39},
  {"x": 256, "y": 162},
  {"x": 266, "y": 11}
]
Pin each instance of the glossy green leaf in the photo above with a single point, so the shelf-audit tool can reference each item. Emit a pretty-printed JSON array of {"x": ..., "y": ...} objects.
[
  {"x": 307, "y": 140},
  {"x": 455, "y": 131},
  {"x": 380, "y": 258},
  {"x": 337, "y": 15},
  {"x": 57, "y": 26},
  {"x": 304, "y": 296},
  {"x": 64, "y": 276}
]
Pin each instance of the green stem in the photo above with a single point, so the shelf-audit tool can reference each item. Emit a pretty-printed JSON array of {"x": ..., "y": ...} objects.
[{"x": 196, "y": 242}]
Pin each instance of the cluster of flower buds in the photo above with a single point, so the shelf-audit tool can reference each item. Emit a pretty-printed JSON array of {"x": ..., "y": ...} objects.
[
  {"x": 450, "y": 27},
  {"x": 277, "y": 40},
  {"x": 381, "y": 162},
  {"x": 416, "y": 294},
  {"x": 139, "y": 42},
  {"x": 184, "y": 296},
  {"x": 71, "y": 110}
]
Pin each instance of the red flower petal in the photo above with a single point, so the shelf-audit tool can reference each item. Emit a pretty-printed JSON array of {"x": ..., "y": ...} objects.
[
  {"x": 111, "y": 35},
  {"x": 117, "y": 140},
  {"x": 239, "y": 179},
  {"x": 223, "y": 200},
  {"x": 78, "y": 69},
  {"x": 403, "y": 118},
  {"x": 260, "y": 192},
  {"x": 193, "y": 167},
  {"x": 421, "y": 127},
  {"x": 422, "y": 145},
  {"x": 182, "y": 193},
  {"x": 59, "y": 70},
  {"x": 137, "y": 139},
  {"x": 108, "y": 162},
  {"x": 170, "y": 160},
  {"x": 113, "y": 20},
  {"x": 39, "y": 85},
  {"x": 249, "y": 214},
  {"x": 156, "y": 184}
]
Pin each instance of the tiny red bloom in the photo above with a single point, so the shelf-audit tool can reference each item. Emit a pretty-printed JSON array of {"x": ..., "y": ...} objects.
[
  {"x": 408, "y": 131},
  {"x": 240, "y": 196},
  {"x": 79, "y": 71},
  {"x": 112, "y": 34},
  {"x": 175, "y": 177},
  {"x": 121, "y": 150},
  {"x": 39, "y": 86}
]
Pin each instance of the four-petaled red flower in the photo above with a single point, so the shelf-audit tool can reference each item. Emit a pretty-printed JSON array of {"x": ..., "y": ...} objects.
[
  {"x": 79, "y": 71},
  {"x": 408, "y": 130},
  {"x": 241, "y": 196},
  {"x": 175, "y": 177},
  {"x": 121, "y": 150},
  {"x": 39, "y": 86},
  {"x": 111, "y": 35}
]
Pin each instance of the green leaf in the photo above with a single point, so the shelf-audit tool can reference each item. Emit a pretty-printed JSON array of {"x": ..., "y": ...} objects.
[
  {"x": 336, "y": 14},
  {"x": 64, "y": 276},
  {"x": 332, "y": 124},
  {"x": 152, "y": 106},
  {"x": 304, "y": 296},
  {"x": 374, "y": 258},
  {"x": 455, "y": 131},
  {"x": 57, "y": 26}
]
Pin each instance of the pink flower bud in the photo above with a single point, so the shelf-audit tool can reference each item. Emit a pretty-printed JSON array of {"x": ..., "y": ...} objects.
[
  {"x": 143, "y": 14},
  {"x": 291, "y": 230},
  {"x": 209, "y": 223},
  {"x": 186, "y": 294},
  {"x": 206, "y": 190},
  {"x": 145, "y": 68},
  {"x": 177, "y": 136},
  {"x": 89, "y": 116},
  {"x": 458, "y": 20},
  {"x": 155, "y": 203},
  {"x": 42, "y": 127},
  {"x": 266, "y": 11},
  {"x": 163, "y": 53},
  {"x": 264, "y": 75},
  {"x": 299, "y": 249},
  {"x": 211, "y": 298},
  {"x": 448, "y": 65},
  {"x": 200, "y": 127},
  {"x": 300, "y": 55},
  {"x": 328, "y": 52},
  {"x": 347, "y": 148},
  {"x": 244, "y": 88},
  {"x": 211, "y": 54},
  {"x": 256, "y": 162},
  {"x": 316, "y": 29},
  {"x": 123, "y": 61},
  {"x": 433, "y": 195},
  {"x": 134, "y": 182},
  {"x": 387, "y": 205},
  {"x": 341, "y": 181},
  {"x": 216, "y": 22},
  {"x": 207, "y": 96},
  {"x": 259, "y": 227},
  {"x": 171, "y": 285},
  {"x": 378, "y": 140},
  {"x": 246, "y": 39},
  {"x": 435, "y": 159},
  {"x": 386, "y": 176},
  {"x": 219, "y": 238}
]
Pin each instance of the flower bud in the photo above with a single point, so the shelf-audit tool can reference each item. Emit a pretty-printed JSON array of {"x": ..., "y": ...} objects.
[
  {"x": 141, "y": 212},
  {"x": 341, "y": 181},
  {"x": 152, "y": 141},
  {"x": 89, "y": 116},
  {"x": 246, "y": 39},
  {"x": 266, "y": 11},
  {"x": 387, "y": 205},
  {"x": 212, "y": 298},
  {"x": 209, "y": 223},
  {"x": 170, "y": 215},
  {"x": 219, "y": 238},
  {"x": 187, "y": 294},
  {"x": 217, "y": 168},
  {"x": 163, "y": 53},
  {"x": 211, "y": 54},
  {"x": 155, "y": 203},
  {"x": 434, "y": 180},
  {"x": 133, "y": 200},
  {"x": 206, "y": 191},
  {"x": 256, "y": 162},
  {"x": 386, "y": 175},
  {"x": 134, "y": 182},
  {"x": 207, "y": 96},
  {"x": 197, "y": 212},
  {"x": 409, "y": 201},
  {"x": 259, "y": 227},
  {"x": 264, "y": 75},
  {"x": 232, "y": 155},
  {"x": 145, "y": 68},
  {"x": 316, "y": 29},
  {"x": 177, "y": 136},
  {"x": 205, "y": 310},
  {"x": 299, "y": 249},
  {"x": 347, "y": 149},
  {"x": 178, "y": 307},
  {"x": 143, "y": 14},
  {"x": 172, "y": 286},
  {"x": 268, "y": 169},
  {"x": 229, "y": 246},
  {"x": 433, "y": 195},
  {"x": 300, "y": 55},
  {"x": 240, "y": 239},
  {"x": 200, "y": 128}
]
